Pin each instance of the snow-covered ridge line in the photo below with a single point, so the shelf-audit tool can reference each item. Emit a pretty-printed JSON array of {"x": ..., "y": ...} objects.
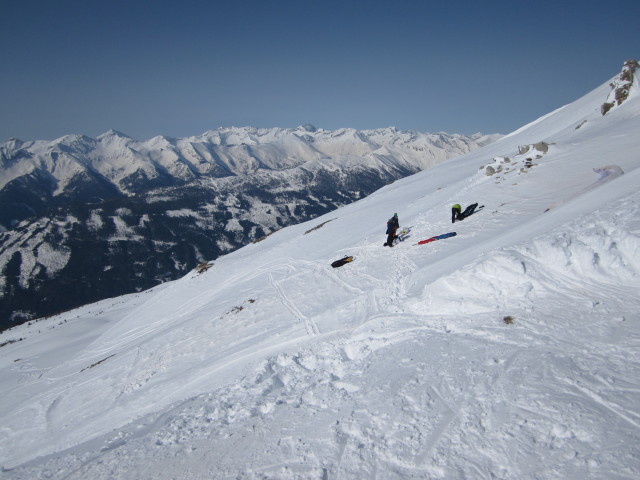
[{"x": 217, "y": 153}]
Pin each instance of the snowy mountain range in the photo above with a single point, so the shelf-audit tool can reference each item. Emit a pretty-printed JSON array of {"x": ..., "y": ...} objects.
[
  {"x": 108, "y": 216},
  {"x": 510, "y": 350}
]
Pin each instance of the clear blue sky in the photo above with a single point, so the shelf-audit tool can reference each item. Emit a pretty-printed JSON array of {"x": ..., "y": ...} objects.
[{"x": 179, "y": 68}]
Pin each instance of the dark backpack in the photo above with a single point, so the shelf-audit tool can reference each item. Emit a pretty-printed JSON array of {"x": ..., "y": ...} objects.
[{"x": 342, "y": 261}]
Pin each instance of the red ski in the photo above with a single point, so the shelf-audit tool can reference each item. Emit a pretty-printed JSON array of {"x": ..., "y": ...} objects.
[{"x": 437, "y": 237}]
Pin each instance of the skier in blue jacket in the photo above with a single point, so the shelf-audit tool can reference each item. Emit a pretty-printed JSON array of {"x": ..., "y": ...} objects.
[{"x": 392, "y": 225}]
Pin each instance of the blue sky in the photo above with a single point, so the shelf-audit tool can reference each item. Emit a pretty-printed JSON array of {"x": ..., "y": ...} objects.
[{"x": 181, "y": 68}]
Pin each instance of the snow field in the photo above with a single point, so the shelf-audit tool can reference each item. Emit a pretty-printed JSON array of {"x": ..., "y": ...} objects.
[
  {"x": 509, "y": 351},
  {"x": 460, "y": 375}
]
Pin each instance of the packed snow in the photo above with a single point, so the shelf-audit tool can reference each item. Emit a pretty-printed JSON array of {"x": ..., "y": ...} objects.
[{"x": 508, "y": 351}]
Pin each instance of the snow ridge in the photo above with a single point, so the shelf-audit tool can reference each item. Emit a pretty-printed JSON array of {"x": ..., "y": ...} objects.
[{"x": 124, "y": 161}]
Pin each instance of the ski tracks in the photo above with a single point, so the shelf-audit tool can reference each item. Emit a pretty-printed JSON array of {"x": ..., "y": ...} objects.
[{"x": 310, "y": 325}]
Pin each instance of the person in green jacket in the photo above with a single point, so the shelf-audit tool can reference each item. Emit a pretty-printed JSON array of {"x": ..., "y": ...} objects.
[
  {"x": 456, "y": 210},
  {"x": 457, "y": 214}
]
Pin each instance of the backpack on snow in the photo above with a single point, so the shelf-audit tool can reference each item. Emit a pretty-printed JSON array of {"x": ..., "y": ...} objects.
[{"x": 342, "y": 261}]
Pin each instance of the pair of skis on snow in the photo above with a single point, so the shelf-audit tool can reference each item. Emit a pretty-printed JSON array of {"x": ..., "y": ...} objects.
[
  {"x": 437, "y": 237},
  {"x": 404, "y": 234}
]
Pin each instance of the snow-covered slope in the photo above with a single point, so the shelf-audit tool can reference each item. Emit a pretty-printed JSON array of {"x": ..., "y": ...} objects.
[{"x": 508, "y": 351}]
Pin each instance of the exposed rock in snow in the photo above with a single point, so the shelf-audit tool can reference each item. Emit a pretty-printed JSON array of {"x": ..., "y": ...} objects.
[{"x": 622, "y": 87}]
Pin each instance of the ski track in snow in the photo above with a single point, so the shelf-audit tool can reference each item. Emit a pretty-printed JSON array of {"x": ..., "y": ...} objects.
[{"x": 311, "y": 327}]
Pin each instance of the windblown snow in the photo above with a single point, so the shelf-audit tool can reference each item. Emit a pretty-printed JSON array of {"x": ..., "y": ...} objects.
[{"x": 508, "y": 351}]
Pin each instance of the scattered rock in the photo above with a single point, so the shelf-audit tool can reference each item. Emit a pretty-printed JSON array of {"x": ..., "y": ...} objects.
[{"x": 203, "y": 267}]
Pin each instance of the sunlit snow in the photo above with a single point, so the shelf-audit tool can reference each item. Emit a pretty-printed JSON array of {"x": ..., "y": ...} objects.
[{"x": 508, "y": 351}]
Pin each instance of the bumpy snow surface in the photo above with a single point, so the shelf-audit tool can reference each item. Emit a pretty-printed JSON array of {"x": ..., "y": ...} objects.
[{"x": 509, "y": 351}]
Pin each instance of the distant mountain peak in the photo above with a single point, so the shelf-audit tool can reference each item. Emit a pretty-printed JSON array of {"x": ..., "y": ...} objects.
[
  {"x": 71, "y": 138},
  {"x": 113, "y": 133},
  {"x": 13, "y": 143}
]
